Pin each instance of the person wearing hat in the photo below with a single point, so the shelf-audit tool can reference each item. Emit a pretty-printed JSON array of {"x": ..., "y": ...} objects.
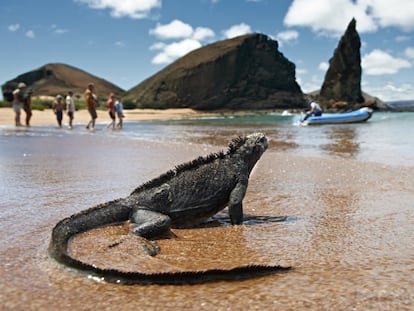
[
  {"x": 18, "y": 101},
  {"x": 314, "y": 110},
  {"x": 58, "y": 107}
]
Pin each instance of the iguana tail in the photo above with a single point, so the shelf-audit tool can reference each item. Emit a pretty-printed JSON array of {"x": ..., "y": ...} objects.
[
  {"x": 104, "y": 214},
  {"x": 115, "y": 212}
]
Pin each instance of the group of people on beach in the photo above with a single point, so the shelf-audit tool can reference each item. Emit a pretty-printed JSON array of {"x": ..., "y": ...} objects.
[
  {"x": 115, "y": 108},
  {"x": 59, "y": 106},
  {"x": 21, "y": 99}
]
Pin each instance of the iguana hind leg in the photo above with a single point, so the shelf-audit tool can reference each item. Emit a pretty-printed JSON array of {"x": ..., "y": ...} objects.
[{"x": 149, "y": 225}]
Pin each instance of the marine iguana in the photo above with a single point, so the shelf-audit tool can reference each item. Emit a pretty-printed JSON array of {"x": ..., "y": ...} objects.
[{"x": 184, "y": 196}]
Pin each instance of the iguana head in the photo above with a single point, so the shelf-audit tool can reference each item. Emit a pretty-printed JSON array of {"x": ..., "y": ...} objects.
[{"x": 250, "y": 148}]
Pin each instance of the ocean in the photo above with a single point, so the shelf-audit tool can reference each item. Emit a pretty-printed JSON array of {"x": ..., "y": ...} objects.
[
  {"x": 344, "y": 193},
  {"x": 385, "y": 138}
]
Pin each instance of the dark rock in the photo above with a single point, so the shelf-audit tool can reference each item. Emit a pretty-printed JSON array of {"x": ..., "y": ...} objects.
[
  {"x": 342, "y": 82},
  {"x": 247, "y": 72},
  {"x": 53, "y": 79}
]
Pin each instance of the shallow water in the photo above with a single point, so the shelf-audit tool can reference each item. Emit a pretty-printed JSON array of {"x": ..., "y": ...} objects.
[{"x": 346, "y": 193}]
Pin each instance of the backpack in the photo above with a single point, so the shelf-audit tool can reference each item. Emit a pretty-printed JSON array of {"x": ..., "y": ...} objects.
[{"x": 8, "y": 96}]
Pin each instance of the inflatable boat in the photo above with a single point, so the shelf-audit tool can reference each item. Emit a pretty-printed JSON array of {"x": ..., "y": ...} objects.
[{"x": 360, "y": 115}]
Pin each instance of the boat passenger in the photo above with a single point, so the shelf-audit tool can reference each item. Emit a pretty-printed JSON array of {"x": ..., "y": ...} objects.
[{"x": 315, "y": 110}]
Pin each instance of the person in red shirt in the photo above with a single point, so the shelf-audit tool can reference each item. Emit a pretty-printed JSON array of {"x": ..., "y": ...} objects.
[{"x": 110, "y": 105}]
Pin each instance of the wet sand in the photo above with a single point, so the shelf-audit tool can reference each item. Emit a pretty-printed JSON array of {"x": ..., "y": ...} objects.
[{"x": 348, "y": 233}]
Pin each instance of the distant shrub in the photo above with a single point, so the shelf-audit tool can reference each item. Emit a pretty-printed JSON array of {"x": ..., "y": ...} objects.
[
  {"x": 129, "y": 105},
  {"x": 41, "y": 104},
  {"x": 5, "y": 104},
  {"x": 80, "y": 104}
]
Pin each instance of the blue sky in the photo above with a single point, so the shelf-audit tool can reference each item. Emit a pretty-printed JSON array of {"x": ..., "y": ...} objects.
[{"x": 127, "y": 41}]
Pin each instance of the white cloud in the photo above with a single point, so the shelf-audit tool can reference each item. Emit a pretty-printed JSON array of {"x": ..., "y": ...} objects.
[
  {"x": 30, "y": 34},
  {"x": 379, "y": 63},
  {"x": 287, "y": 36},
  {"x": 119, "y": 44},
  {"x": 59, "y": 31},
  {"x": 157, "y": 46},
  {"x": 190, "y": 39},
  {"x": 402, "y": 38},
  {"x": 237, "y": 30},
  {"x": 323, "y": 66},
  {"x": 136, "y": 9},
  {"x": 390, "y": 91},
  {"x": 409, "y": 52},
  {"x": 301, "y": 71},
  {"x": 328, "y": 16},
  {"x": 170, "y": 52},
  {"x": 174, "y": 30},
  {"x": 14, "y": 27},
  {"x": 312, "y": 85},
  {"x": 332, "y": 16},
  {"x": 203, "y": 33},
  {"x": 398, "y": 13}
]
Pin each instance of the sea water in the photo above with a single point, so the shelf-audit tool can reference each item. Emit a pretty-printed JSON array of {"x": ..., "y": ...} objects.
[{"x": 385, "y": 138}]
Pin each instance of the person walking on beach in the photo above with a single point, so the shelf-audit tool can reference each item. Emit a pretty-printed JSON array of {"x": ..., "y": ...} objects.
[
  {"x": 110, "y": 105},
  {"x": 120, "y": 112},
  {"x": 315, "y": 110},
  {"x": 58, "y": 107},
  {"x": 70, "y": 108},
  {"x": 91, "y": 103},
  {"x": 27, "y": 106},
  {"x": 18, "y": 101}
]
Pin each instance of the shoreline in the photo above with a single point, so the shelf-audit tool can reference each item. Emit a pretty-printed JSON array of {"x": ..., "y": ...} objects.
[{"x": 47, "y": 117}]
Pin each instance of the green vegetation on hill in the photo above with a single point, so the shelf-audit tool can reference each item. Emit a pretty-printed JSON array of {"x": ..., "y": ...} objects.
[{"x": 41, "y": 104}]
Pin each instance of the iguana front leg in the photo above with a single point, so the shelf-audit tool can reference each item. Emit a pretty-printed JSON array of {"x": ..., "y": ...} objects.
[{"x": 235, "y": 204}]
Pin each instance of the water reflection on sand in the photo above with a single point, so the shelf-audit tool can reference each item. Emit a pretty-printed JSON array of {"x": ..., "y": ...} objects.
[{"x": 343, "y": 142}]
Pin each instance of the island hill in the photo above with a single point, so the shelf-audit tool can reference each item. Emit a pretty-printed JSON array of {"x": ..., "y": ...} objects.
[{"x": 243, "y": 73}]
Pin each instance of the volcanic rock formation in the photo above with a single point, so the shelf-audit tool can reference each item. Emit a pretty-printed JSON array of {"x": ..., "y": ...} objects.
[
  {"x": 53, "y": 79},
  {"x": 246, "y": 72},
  {"x": 342, "y": 84}
]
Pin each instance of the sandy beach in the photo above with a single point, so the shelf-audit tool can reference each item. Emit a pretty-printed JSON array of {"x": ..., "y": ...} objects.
[
  {"x": 47, "y": 116},
  {"x": 346, "y": 232}
]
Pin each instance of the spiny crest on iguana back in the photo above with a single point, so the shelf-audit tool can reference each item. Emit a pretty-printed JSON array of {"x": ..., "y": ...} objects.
[{"x": 234, "y": 145}]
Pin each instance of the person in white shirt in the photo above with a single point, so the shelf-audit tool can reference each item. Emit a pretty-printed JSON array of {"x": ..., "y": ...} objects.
[
  {"x": 70, "y": 107},
  {"x": 18, "y": 101},
  {"x": 315, "y": 110}
]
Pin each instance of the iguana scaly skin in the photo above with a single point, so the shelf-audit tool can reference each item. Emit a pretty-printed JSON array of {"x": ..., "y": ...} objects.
[{"x": 185, "y": 196}]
